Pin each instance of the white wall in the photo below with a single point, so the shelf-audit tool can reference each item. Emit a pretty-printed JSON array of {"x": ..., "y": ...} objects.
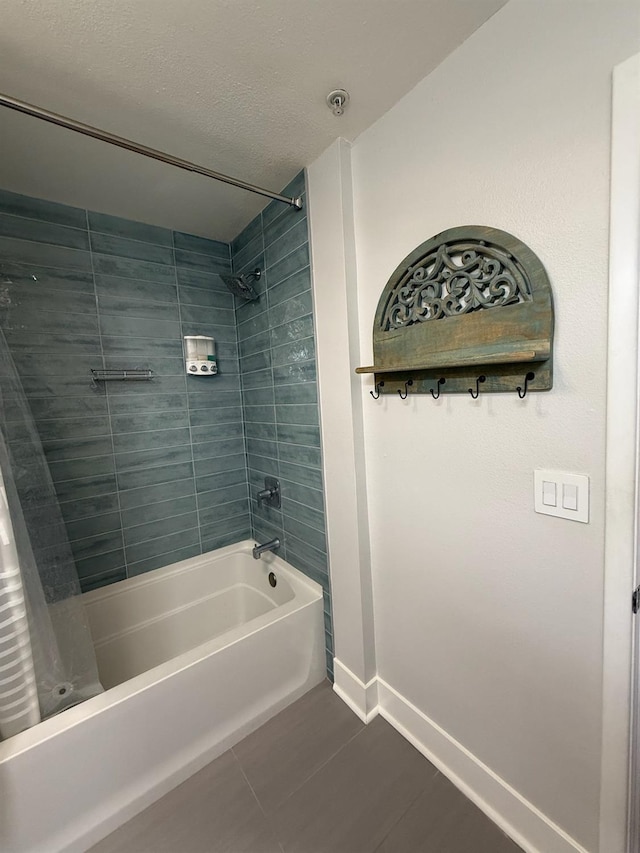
[
  {"x": 488, "y": 617},
  {"x": 336, "y": 312}
]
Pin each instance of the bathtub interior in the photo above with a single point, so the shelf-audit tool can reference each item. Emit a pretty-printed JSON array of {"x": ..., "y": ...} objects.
[{"x": 142, "y": 622}]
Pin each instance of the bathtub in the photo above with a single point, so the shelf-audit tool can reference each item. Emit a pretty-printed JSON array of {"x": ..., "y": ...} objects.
[{"x": 193, "y": 657}]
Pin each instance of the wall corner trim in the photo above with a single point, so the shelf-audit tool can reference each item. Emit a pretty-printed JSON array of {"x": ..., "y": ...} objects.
[
  {"x": 361, "y": 698},
  {"x": 334, "y": 280},
  {"x": 515, "y": 815},
  {"x": 621, "y": 499}
]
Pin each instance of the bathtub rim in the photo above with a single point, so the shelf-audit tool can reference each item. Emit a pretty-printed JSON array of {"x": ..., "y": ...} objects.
[{"x": 306, "y": 592}]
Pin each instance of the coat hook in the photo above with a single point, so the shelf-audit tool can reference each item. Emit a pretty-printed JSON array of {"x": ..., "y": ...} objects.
[
  {"x": 440, "y": 382},
  {"x": 377, "y": 391},
  {"x": 406, "y": 389},
  {"x": 480, "y": 379},
  {"x": 522, "y": 392}
]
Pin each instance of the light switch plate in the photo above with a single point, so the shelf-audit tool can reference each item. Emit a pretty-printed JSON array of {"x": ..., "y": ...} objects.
[{"x": 571, "y": 490}]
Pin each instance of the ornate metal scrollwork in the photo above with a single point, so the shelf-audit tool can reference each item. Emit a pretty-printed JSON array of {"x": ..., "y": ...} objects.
[{"x": 455, "y": 278}]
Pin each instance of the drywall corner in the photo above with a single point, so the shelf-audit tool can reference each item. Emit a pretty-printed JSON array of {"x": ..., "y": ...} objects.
[{"x": 337, "y": 341}]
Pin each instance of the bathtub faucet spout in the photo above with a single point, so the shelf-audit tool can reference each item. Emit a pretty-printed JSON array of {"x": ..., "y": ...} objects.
[{"x": 271, "y": 545}]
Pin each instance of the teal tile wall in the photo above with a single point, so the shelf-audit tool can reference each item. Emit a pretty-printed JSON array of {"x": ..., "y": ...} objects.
[
  {"x": 151, "y": 473},
  {"x": 147, "y": 473},
  {"x": 278, "y": 369}
]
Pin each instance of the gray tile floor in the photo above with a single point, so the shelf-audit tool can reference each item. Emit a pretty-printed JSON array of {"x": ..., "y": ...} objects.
[{"x": 314, "y": 779}]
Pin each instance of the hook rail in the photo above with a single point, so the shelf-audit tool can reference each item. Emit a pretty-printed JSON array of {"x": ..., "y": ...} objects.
[{"x": 459, "y": 384}]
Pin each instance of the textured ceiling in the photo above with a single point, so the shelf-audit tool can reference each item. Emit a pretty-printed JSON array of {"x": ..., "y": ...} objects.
[{"x": 238, "y": 86}]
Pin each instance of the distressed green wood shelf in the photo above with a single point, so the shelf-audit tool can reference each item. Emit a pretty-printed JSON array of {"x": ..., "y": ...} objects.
[{"x": 470, "y": 302}]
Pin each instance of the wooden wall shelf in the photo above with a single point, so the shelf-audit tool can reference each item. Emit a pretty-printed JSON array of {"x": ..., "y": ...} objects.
[{"x": 470, "y": 302}]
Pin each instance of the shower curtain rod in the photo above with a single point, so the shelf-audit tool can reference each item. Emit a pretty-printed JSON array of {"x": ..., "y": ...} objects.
[{"x": 120, "y": 142}]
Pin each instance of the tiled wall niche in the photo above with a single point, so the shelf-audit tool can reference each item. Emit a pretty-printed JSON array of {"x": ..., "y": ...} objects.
[
  {"x": 147, "y": 473},
  {"x": 152, "y": 473},
  {"x": 279, "y": 389}
]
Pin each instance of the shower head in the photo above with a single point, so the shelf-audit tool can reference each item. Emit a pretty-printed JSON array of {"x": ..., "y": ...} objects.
[{"x": 240, "y": 285}]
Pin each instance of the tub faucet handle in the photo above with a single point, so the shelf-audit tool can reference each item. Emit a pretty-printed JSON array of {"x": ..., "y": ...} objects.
[{"x": 270, "y": 495}]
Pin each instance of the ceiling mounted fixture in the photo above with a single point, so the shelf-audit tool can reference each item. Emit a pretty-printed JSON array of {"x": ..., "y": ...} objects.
[{"x": 337, "y": 101}]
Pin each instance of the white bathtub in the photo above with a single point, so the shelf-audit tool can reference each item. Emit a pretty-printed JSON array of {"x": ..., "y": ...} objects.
[{"x": 194, "y": 656}]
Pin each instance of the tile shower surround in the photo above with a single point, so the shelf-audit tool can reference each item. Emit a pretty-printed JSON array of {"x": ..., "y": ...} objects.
[
  {"x": 147, "y": 473},
  {"x": 152, "y": 473},
  {"x": 280, "y": 403}
]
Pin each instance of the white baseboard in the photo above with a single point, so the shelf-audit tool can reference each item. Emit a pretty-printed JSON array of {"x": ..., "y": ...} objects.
[
  {"x": 361, "y": 698},
  {"x": 515, "y": 815}
]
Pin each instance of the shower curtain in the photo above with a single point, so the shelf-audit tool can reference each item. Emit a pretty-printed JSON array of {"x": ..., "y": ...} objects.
[{"x": 47, "y": 662}]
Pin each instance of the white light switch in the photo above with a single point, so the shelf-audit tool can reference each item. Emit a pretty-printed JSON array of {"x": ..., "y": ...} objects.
[
  {"x": 570, "y": 496},
  {"x": 562, "y": 494},
  {"x": 549, "y": 493}
]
